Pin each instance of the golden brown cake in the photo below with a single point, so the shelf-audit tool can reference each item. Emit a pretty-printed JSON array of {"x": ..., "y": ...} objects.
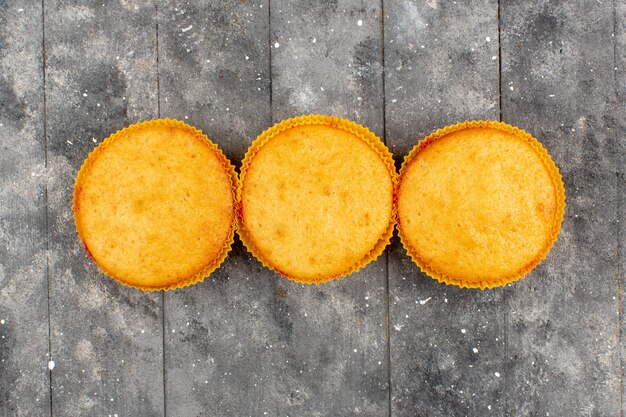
[
  {"x": 480, "y": 204},
  {"x": 154, "y": 205},
  {"x": 316, "y": 198}
]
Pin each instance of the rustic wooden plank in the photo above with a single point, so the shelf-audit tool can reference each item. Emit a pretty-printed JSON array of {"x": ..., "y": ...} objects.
[
  {"x": 446, "y": 343},
  {"x": 214, "y": 69},
  {"x": 559, "y": 83},
  {"x": 214, "y": 74},
  {"x": 620, "y": 74},
  {"x": 106, "y": 338},
  {"x": 24, "y": 376},
  {"x": 327, "y": 58},
  {"x": 287, "y": 349}
]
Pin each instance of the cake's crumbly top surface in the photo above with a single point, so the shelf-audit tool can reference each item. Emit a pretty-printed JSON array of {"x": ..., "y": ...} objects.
[
  {"x": 479, "y": 206},
  {"x": 155, "y": 206},
  {"x": 316, "y": 200}
]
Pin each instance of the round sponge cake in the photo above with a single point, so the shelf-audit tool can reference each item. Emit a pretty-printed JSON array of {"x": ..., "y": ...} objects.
[
  {"x": 154, "y": 205},
  {"x": 316, "y": 198},
  {"x": 480, "y": 204}
]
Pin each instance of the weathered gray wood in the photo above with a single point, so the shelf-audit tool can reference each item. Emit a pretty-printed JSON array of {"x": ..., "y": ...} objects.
[
  {"x": 24, "y": 383},
  {"x": 327, "y": 58},
  {"x": 447, "y": 343},
  {"x": 559, "y": 83},
  {"x": 214, "y": 74},
  {"x": 214, "y": 69},
  {"x": 620, "y": 74},
  {"x": 106, "y": 338},
  {"x": 247, "y": 342}
]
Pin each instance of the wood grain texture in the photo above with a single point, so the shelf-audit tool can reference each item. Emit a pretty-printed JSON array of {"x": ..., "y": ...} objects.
[
  {"x": 220, "y": 335},
  {"x": 214, "y": 69},
  {"x": 447, "y": 343},
  {"x": 327, "y": 58},
  {"x": 619, "y": 44},
  {"x": 559, "y": 83},
  {"x": 24, "y": 378},
  {"x": 245, "y": 332},
  {"x": 246, "y": 341},
  {"x": 106, "y": 339}
]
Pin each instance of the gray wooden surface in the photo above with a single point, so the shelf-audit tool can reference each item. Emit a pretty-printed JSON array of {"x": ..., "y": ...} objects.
[{"x": 385, "y": 341}]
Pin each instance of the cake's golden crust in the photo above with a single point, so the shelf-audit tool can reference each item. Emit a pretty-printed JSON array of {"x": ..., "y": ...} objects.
[
  {"x": 480, "y": 204},
  {"x": 154, "y": 205},
  {"x": 315, "y": 198}
]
